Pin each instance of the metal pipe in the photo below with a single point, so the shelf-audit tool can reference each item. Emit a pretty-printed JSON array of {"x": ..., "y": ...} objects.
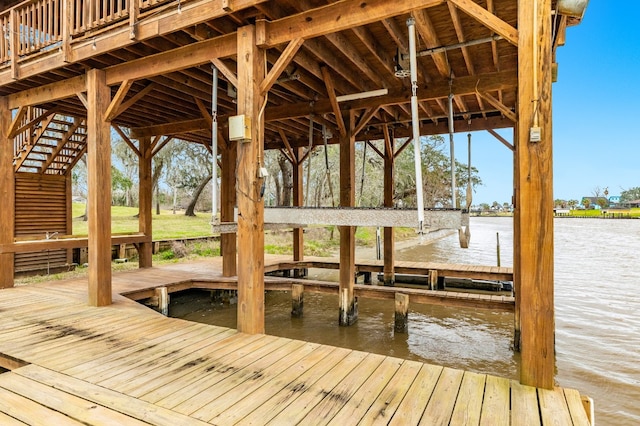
[
  {"x": 415, "y": 123},
  {"x": 454, "y": 203},
  {"x": 442, "y": 49},
  {"x": 469, "y": 188},
  {"x": 214, "y": 146}
]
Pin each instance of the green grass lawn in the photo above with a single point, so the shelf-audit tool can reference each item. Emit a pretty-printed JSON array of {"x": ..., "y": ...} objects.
[
  {"x": 165, "y": 226},
  {"x": 633, "y": 212}
]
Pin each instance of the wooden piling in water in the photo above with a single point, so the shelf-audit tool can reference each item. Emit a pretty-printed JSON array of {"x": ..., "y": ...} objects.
[
  {"x": 433, "y": 279},
  {"x": 297, "y": 300},
  {"x": 401, "y": 324},
  {"x": 162, "y": 294}
]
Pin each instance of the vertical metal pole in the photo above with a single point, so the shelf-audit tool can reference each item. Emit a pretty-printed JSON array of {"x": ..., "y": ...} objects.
[
  {"x": 454, "y": 203},
  {"x": 415, "y": 123},
  {"x": 469, "y": 187},
  {"x": 214, "y": 147}
]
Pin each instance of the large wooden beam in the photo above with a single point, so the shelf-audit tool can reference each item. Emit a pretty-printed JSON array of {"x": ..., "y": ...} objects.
[
  {"x": 534, "y": 195},
  {"x": 348, "y": 303},
  {"x": 461, "y": 86},
  {"x": 7, "y": 195},
  {"x": 173, "y": 60},
  {"x": 490, "y": 20},
  {"x": 99, "y": 182},
  {"x": 227, "y": 205},
  {"x": 48, "y": 92},
  {"x": 251, "y": 71},
  {"x": 335, "y": 17},
  {"x": 146, "y": 202}
]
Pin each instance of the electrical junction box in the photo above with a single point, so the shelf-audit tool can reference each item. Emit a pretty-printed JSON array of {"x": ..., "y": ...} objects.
[
  {"x": 535, "y": 134},
  {"x": 240, "y": 128}
]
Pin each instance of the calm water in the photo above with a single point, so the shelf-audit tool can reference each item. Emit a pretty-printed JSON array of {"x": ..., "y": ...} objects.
[{"x": 597, "y": 314}]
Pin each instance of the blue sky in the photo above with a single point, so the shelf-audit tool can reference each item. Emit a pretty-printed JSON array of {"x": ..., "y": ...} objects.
[{"x": 596, "y": 103}]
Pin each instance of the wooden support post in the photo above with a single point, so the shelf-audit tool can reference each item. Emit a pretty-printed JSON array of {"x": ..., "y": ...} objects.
[
  {"x": 227, "y": 205},
  {"x": 68, "y": 230},
  {"x": 251, "y": 71},
  {"x": 389, "y": 244},
  {"x": 297, "y": 300},
  {"x": 99, "y": 182},
  {"x": 348, "y": 302},
  {"x": 7, "y": 195},
  {"x": 162, "y": 294},
  {"x": 298, "y": 201},
  {"x": 401, "y": 323},
  {"x": 146, "y": 204},
  {"x": 534, "y": 196},
  {"x": 433, "y": 279},
  {"x": 122, "y": 251}
]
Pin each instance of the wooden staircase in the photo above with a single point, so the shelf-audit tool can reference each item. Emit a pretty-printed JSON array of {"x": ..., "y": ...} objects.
[{"x": 46, "y": 142}]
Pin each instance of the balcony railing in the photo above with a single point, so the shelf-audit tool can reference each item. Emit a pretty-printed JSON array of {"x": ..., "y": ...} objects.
[{"x": 39, "y": 25}]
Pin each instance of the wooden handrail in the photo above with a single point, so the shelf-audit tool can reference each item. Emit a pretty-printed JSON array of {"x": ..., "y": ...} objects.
[{"x": 27, "y": 246}]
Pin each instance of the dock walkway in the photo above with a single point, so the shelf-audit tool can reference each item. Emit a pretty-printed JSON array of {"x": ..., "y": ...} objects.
[{"x": 128, "y": 365}]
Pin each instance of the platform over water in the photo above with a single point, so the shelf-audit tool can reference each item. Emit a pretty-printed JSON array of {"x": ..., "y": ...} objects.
[{"x": 128, "y": 365}]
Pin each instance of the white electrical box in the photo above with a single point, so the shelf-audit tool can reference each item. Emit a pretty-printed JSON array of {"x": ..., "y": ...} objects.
[
  {"x": 240, "y": 128},
  {"x": 535, "y": 134}
]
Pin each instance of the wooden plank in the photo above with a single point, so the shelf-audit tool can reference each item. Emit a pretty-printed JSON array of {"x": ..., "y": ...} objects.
[
  {"x": 30, "y": 412},
  {"x": 468, "y": 408},
  {"x": 339, "y": 396},
  {"x": 232, "y": 391},
  {"x": 194, "y": 397},
  {"x": 269, "y": 387},
  {"x": 578, "y": 413},
  {"x": 495, "y": 406},
  {"x": 415, "y": 401},
  {"x": 188, "y": 358},
  {"x": 441, "y": 404},
  {"x": 362, "y": 400},
  {"x": 553, "y": 407},
  {"x": 10, "y": 421},
  {"x": 107, "y": 398},
  {"x": 312, "y": 394},
  {"x": 385, "y": 405},
  {"x": 72, "y": 406},
  {"x": 524, "y": 405}
]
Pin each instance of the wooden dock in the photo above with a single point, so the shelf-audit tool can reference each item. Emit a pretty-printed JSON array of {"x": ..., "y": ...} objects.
[{"x": 128, "y": 365}]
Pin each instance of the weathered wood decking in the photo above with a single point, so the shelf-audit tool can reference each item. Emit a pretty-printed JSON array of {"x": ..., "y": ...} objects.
[{"x": 128, "y": 365}]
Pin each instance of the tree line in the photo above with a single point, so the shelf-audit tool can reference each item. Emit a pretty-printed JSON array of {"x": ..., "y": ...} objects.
[{"x": 182, "y": 174}]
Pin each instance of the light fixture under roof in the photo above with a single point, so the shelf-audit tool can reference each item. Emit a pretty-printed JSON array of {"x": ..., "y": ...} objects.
[{"x": 574, "y": 8}]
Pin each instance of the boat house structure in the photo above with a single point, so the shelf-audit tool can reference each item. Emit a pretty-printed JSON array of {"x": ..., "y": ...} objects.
[{"x": 290, "y": 75}]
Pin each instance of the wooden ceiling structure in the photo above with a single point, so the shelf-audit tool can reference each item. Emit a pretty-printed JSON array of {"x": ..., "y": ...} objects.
[{"x": 72, "y": 69}]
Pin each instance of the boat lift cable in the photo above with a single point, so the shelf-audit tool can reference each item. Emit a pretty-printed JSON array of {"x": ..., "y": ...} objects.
[{"x": 415, "y": 123}]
